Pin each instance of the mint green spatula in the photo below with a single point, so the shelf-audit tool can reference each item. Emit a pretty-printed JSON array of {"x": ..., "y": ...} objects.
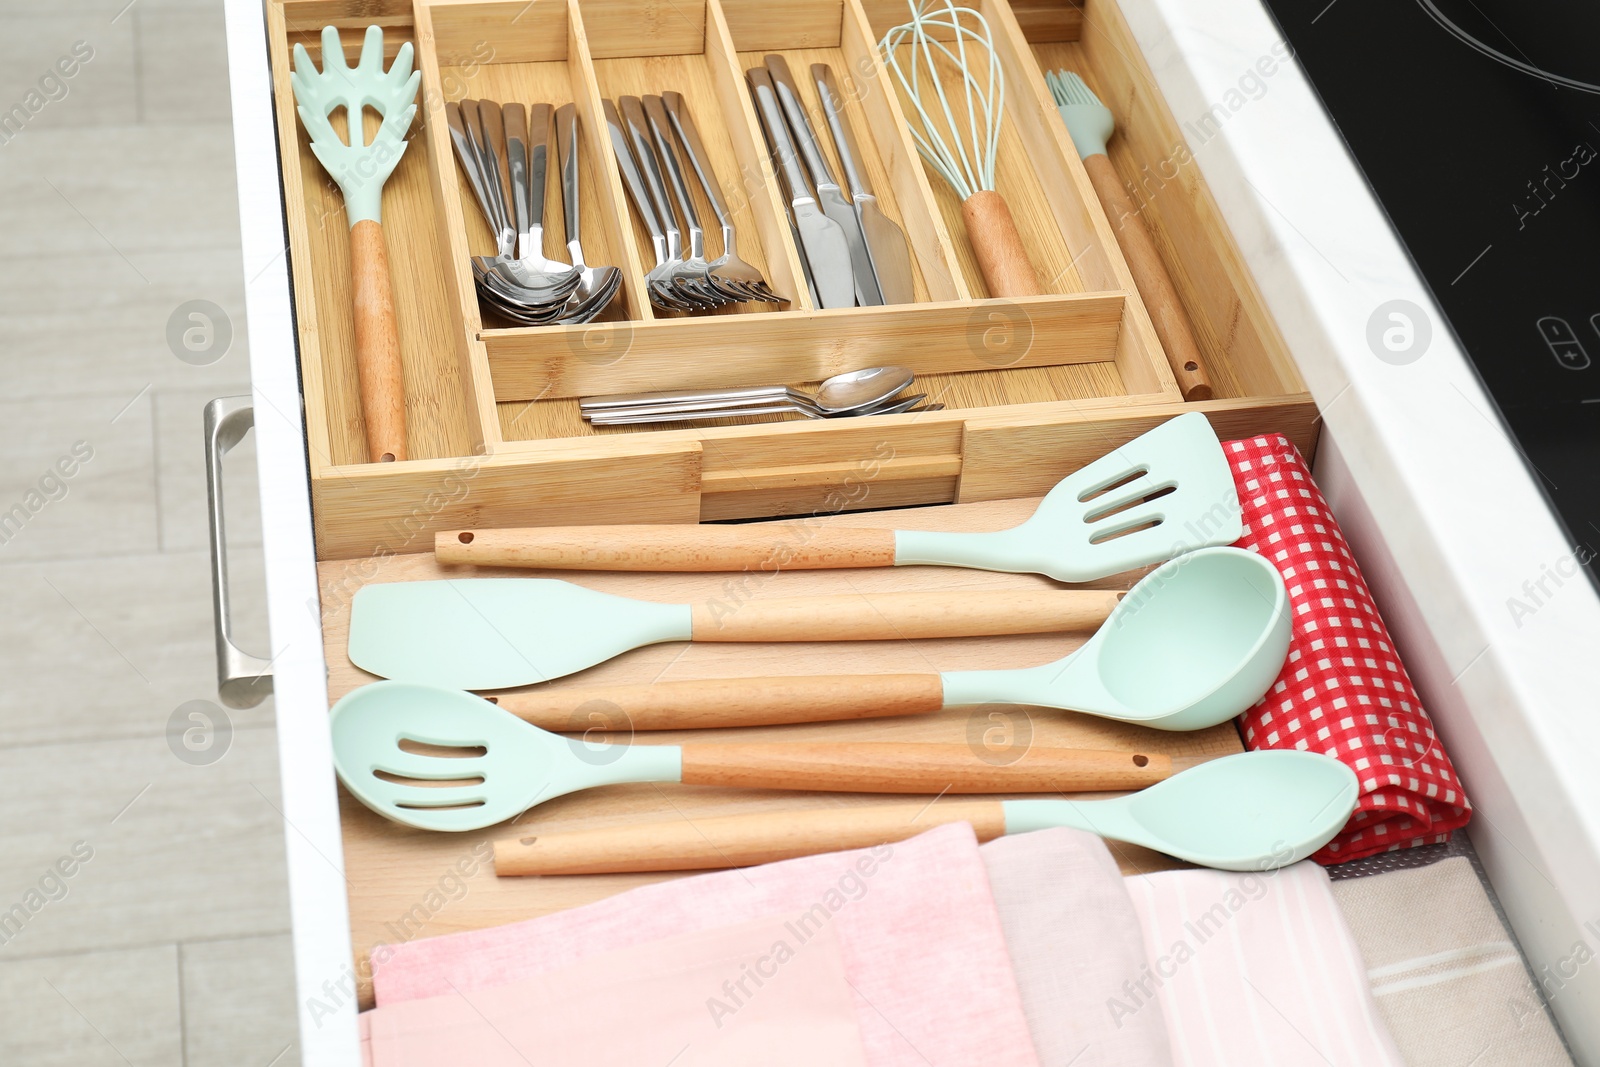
[
  {"x": 494, "y": 633},
  {"x": 1254, "y": 811}
]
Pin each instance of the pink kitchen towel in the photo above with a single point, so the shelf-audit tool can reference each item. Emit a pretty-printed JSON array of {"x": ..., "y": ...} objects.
[
  {"x": 918, "y": 932},
  {"x": 732, "y": 996},
  {"x": 1343, "y": 691},
  {"x": 1253, "y": 969},
  {"x": 1074, "y": 939}
]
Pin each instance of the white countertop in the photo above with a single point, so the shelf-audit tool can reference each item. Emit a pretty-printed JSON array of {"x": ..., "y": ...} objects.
[{"x": 1445, "y": 518}]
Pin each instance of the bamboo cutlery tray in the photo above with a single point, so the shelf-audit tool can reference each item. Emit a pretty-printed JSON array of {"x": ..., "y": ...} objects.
[{"x": 1032, "y": 387}]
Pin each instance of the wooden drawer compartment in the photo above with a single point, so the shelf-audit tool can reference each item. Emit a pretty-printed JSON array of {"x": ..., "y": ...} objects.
[{"x": 1032, "y": 386}]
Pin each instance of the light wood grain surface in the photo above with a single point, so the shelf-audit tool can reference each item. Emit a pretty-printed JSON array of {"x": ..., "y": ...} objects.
[{"x": 405, "y": 884}]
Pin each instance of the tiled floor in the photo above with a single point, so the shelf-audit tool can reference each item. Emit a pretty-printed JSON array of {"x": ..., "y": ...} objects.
[{"x": 167, "y": 942}]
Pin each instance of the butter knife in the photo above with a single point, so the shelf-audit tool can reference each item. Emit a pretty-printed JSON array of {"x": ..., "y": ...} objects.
[
  {"x": 822, "y": 240},
  {"x": 886, "y": 242},
  {"x": 830, "y": 197}
]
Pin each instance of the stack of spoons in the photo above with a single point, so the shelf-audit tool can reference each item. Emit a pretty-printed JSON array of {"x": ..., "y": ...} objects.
[{"x": 872, "y": 391}]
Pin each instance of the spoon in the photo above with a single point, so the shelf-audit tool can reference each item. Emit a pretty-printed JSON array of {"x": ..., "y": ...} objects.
[
  {"x": 638, "y": 416},
  {"x": 502, "y": 766},
  {"x": 1253, "y": 811},
  {"x": 1193, "y": 644},
  {"x": 842, "y": 392},
  {"x": 511, "y": 278},
  {"x": 599, "y": 284}
]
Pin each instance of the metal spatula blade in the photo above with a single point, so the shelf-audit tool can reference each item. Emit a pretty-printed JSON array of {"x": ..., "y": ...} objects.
[
  {"x": 494, "y": 633},
  {"x": 1166, "y": 492}
]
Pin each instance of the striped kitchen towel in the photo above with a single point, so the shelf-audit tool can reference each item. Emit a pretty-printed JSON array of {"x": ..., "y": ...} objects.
[
  {"x": 1445, "y": 973},
  {"x": 1253, "y": 970}
]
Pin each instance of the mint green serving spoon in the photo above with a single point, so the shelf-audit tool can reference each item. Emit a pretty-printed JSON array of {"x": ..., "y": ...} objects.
[
  {"x": 1194, "y": 643},
  {"x": 1254, "y": 811}
]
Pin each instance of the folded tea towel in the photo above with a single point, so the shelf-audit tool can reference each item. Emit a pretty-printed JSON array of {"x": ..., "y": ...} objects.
[
  {"x": 1445, "y": 973},
  {"x": 921, "y": 942},
  {"x": 1253, "y": 970},
  {"x": 1074, "y": 938},
  {"x": 730, "y": 996},
  {"x": 1343, "y": 691}
]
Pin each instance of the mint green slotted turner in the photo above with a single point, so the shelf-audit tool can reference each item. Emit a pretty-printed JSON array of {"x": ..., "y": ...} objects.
[{"x": 1163, "y": 493}]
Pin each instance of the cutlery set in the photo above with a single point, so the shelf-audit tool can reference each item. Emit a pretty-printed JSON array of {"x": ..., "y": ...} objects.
[
  {"x": 952, "y": 87},
  {"x": 1193, "y": 643}
]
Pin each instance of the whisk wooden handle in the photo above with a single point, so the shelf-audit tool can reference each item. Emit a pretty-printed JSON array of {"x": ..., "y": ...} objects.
[
  {"x": 1150, "y": 275},
  {"x": 383, "y": 397},
  {"x": 1002, "y": 257}
]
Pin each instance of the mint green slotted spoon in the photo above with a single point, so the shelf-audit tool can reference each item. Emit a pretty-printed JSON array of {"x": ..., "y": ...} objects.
[{"x": 441, "y": 759}]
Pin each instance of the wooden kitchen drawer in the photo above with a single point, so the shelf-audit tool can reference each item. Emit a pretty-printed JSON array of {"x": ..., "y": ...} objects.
[
  {"x": 395, "y": 875},
  {"x": 1033, "y": 387}
]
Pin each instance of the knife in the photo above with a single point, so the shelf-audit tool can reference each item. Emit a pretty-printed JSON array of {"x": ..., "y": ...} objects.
[
  {"x": 829, "y": 196},
  {"x": 788, "y": 209},
  {"x": 822, "y": 239},
  {"x": 886, "y": 242}
]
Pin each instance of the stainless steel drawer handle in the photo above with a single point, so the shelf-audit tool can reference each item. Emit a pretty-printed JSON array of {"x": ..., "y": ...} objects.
[{"x": 243, "y": 680}]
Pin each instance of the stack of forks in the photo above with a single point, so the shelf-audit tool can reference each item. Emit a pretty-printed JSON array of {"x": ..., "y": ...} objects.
[
  {"x": 654, "y": 137},
  {"x": 497, "y": 144}
]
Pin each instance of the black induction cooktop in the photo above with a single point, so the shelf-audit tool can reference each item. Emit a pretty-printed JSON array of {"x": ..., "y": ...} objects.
[{"x": 1477, "y": 124}]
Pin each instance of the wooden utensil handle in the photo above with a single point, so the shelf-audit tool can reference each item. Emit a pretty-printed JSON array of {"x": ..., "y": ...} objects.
[
  {"x": 886, "y": 767},
  {"x": 1150, "y": 275},
  {"x": 714, "y": 702},
  {"x": 383, "y": 396},
  {"x": 737, "y": 840},
  {"x": 668, "y": 548},
  {"x": 1002, "y": 257},
  {"x": 890, "y": 616}
]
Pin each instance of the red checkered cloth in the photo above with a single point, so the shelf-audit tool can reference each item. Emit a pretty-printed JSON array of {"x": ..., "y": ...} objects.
[{"x": 1343, "y": 691}]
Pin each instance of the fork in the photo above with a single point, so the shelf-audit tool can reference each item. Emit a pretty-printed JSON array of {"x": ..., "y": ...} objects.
[
  {"x": 694, "y": 271},
  {"x": 729, "y": 272},
  {"x": 642, "y": 201},
  {"x": 1090, "y": 124},
  {"x": 662, "y": 280}
]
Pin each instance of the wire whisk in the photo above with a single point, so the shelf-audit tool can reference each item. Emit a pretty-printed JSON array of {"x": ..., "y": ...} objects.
[{"x": 941, "y": 44}]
